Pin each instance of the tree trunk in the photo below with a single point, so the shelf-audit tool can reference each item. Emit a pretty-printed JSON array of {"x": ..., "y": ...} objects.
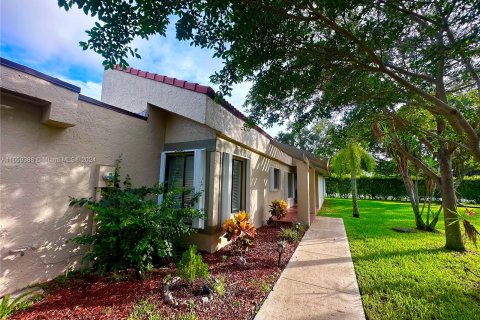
[
  {"x": 356, "y": 212},
  {"x": 412, "y": 191},
  {"x": 431, "y": 225},
  {"x": 453, "y": 234}
]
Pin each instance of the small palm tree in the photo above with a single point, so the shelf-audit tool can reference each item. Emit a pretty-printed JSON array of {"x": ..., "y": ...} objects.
[{"x": 353, "y": 160}]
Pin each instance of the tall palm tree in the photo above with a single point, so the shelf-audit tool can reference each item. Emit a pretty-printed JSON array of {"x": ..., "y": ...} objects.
[{"x": 353, "y": 160}]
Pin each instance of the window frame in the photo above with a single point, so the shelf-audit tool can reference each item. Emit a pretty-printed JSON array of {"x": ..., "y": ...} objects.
[
  {"x": 200, "y": 179},
  {"x": 243, "y": 185},
  {"x": 184, "y": 155},
  {"x": 290, "y": 186},
  {"x": 276, "y": 183}
]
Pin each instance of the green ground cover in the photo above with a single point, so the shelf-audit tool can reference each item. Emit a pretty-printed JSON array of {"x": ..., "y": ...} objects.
[{"x": 407, "y": 275}]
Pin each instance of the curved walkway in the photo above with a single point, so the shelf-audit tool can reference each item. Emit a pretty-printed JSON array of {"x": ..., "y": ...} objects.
[{"x": 319, "y": 282}]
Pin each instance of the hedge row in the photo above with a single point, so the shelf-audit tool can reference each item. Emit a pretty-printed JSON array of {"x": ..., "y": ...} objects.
[
  {"x": 381, "y": 188},
  {"x": 470, "y": 189}
]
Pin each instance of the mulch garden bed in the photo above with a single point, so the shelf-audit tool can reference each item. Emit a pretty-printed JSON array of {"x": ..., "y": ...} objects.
[{"x": 94, "y": 297}]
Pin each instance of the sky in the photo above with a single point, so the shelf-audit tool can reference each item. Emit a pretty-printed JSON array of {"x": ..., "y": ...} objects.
[{"x": 38, "y": 34}]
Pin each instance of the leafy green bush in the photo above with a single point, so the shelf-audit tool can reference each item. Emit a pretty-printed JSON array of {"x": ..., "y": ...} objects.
[
  {"x": 28, "y": 302},
  {"x": 133, "y": 231},
  {"x": 470, "y": 189},
  {"x": 382, "y": 188},
  {"x": 144, "y": 310},
  {"x": 191, "y": 266},
  {"x": 8, "y": 305},
  {"x": 264, "y": 285},
  {"x": 186, "y": 316},
  {"x": 218, "y": 285},
  {"x": 288, "y": 234}
]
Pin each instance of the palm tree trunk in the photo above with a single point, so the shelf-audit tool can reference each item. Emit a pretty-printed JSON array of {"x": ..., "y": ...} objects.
[{"x": 356, "y": 212}]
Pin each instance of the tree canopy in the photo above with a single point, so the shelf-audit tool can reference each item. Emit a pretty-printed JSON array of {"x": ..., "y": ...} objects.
[
  {"x": 308, "y": 59},
  {"x": 320, "y": 137}
]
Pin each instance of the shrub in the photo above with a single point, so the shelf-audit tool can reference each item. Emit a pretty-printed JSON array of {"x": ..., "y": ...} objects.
[
  {"x": 470, "y": 189},
  {"x": 264, "y": 285},
  {"x": 288, "y": 234},
  {"x": 186, "y": 316},
  {"x": 240, "y": 231},
  {"x": 133, "y": 231},
  {"x": 191, "y": 266},
  {"x": 144, "y": 310},
  {"x": 218, "y": 285},
  {"x": 278, "y": 209},
  {"x": 301, "y": 230},
  {"x": 383, "y": 188},
  {"x": 8, "y": 305},
  {"x": 28, "y": 302}
]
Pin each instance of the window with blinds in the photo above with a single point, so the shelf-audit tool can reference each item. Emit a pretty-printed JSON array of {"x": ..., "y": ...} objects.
[
  {"x": 180, "y": 173},
  {"x": 290, "y": 185},
  {"x": 237, "y": 185},
  {"x": 276, "y": 179}
]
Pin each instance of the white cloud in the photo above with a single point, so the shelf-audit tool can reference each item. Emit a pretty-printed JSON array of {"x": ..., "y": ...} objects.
[
  {"x": 45, "y": 37},
  {"x": 47, "y": 33},
  {"x": 88, "y": 88}
]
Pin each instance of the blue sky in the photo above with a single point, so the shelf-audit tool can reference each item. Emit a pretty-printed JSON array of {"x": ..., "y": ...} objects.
[{"x": 40, "y": 35}]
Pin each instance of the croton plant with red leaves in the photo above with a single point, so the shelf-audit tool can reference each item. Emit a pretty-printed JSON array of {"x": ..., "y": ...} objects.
[{"x": 240, "y": 231}]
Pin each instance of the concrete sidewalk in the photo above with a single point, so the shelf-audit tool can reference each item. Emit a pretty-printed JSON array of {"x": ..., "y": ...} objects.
[{"x": 319, "y": 282}]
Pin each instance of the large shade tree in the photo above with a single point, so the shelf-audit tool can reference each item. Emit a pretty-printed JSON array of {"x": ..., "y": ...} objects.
[
  {"x": 404, "y": 134},
  {"x": 401, "y": 135},
  {"x": 300, "y": 54}
]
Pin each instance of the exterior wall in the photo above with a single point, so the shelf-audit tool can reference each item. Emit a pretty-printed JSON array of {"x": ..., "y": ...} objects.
[
  {"x": 232, "y": 128},
  {"x": 34, "y": 196},
  {"x": 135, "y": 93},
  {"x": 313, "y": 190},
  {"x": 179, "y": 129},
  {"x": 260, "y": 194},
  {"x": 303, "y": 190},
  {"x": 59, "y": 105},
  {"x": 196, "y": 120},
  {"x": 50, "y": 124}
]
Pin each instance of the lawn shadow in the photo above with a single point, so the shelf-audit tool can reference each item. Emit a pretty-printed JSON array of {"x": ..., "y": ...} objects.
[{"x": 402, "y": 253}]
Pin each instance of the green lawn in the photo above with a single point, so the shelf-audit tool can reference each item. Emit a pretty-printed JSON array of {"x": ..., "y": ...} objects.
[{"x": 407, "y": 275}]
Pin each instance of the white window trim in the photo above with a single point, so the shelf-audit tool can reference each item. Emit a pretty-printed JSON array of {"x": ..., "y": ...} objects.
[
  {"x": 226, "y": 190},
  {"x": 199, "y": 177}
]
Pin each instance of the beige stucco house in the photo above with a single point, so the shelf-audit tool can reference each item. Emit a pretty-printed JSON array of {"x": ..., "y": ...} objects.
[{"x": 57, "y": 143}]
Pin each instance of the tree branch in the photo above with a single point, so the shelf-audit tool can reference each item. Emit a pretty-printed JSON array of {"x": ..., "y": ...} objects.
[
  {"x": 451, "y": 38},
  {"x": 417, "y": 162},
  {"x": 409, "y": 73}
]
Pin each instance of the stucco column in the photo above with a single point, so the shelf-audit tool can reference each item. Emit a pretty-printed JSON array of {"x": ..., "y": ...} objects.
[
  {"x": 213, "y": 219},
  {"x": 313, "y": 190},
  {"x": 303, "y": 193}
]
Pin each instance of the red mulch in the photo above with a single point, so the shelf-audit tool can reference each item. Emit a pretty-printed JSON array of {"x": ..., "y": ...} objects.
[{"x": 93, "y": 297}]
